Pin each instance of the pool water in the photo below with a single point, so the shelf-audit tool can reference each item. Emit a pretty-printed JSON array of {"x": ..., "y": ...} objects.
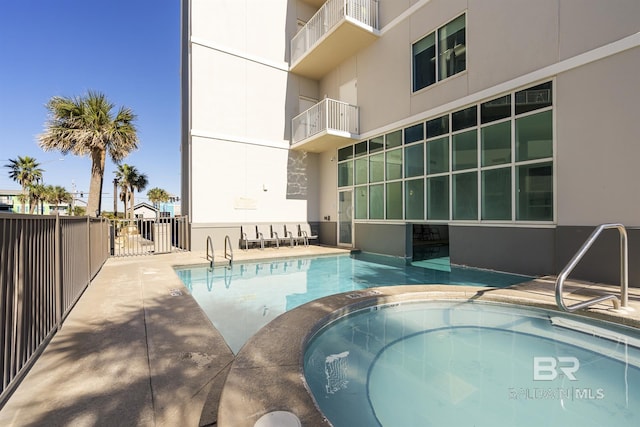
[
  {"x": 242, "y": 299},
  {"x": 473, "y": 364}
]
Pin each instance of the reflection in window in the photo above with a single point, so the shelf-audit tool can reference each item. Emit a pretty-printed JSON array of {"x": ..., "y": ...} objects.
[
  {"x": 376, "y": 144},
  {"x": 362, "y": 172},
  {"x": 496, "y": 144},
  {"x": 361, "y": 202},
  {"x": 376, "y": 167},
  {"x": 535, "y": 192},
  {"x": 394, "y": 139},
  {"x": 424, "y": 62},
  {"x": 452, "y": 48},
  {"x": 496, "y": 194},
  {"x": 499, "y": 108},
  {"x": 394, "y": 164},
  {"x": 438, "y": 197},
  {"x": 376, "y": 201},
  {"x": 533, "y": 98},
  {"x": 345, "y": 174},
  {"x": 394, "y": 200},
  {"x": 414, "y": 133},
  {"x": 465, "y": 196},
  {"x": 414, "y": 160},
  {"x": 438, "y": 156},
  {"x": 534, "y": 136},
  {"x": 465, "y": 150},
  {"x": 414, "y": 199},
  {"x": 437, "y": 127}
]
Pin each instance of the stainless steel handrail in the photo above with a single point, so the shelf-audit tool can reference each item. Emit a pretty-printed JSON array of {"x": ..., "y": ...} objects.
[
  {"x": 624, "y": 273},
  {"x": 228, "y": 254},
  {"x": 212, "y": 256}
]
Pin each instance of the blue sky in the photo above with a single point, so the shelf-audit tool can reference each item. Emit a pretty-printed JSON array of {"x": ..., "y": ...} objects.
[{"x": 127, "y": 49}]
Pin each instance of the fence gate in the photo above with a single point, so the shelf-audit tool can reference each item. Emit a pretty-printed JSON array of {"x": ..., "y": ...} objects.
[{"x": 144, "y": 236}]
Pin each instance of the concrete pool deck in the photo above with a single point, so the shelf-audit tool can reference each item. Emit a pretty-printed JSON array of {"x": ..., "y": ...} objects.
[{"x": 137, "y": 349}]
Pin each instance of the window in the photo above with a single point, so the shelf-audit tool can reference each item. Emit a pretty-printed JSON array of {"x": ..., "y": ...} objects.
[
  {"x": 491, "y": 161},
  {"x": 450, "y": 45}
]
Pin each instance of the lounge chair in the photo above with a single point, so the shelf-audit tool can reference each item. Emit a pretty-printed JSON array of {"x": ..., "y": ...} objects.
[
  {"x": 305, "y": 232},
  {"x": 294, "y": 231},
  {"x": 282, "y": 234},
  {"x": 264, "y": 234},
  {"x": 248, "y": 234}
]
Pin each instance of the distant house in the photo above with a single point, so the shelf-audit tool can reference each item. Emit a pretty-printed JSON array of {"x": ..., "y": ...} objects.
[
  {"x": 171, "y": 208},
  {"x": 145, "y": 211},
  {"x": 9, "y": 202}
]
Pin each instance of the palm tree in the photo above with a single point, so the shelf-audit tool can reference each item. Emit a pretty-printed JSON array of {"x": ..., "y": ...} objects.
[
  {"x": 130, "y": 180},
  {"x": 157, "y": 195},
  {"x": 37, "y": 194},
  {"x": 57, "y": 195},
  {"x": 25, "y": 171},
  {"x": 86, "y": 126}
]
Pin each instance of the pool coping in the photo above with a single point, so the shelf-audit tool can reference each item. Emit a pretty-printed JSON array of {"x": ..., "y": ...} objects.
[{"x": 267, "y": 373}]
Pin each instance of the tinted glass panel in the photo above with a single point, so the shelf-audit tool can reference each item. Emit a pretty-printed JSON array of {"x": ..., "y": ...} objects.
[
  {"x": 361, "y": 148},
  {"x": 465, "y": 150},
  {"x": 394, "y": 164},
  {"x": 437, "y": 127},
  {"x": 465, "y": 196},
  {"x": 414, "y": 133},
  {"x": 496, "y": 144},
  {"x": 414, "y": 199},
  {"x": 496, "y": 194},
  {"x": 464, "y": 118},
  {"x": 362, "y": 171},
  {"x": 534, "y": 136},
  {"x": 394, "y": 139},
  {"x": 534, "y": 98},
  {"x": 438, "y": 197},
  {"x": 394, "y": 200},
  {"x": 376, "y": 201},
  {"x": 535, "y": 192},
  {"x": 438, "y": 156},
  {"x": 376, "y": 167},
  {"x": 345, "y": 174},
  {"x": 451, "y": 48},
  {"x": 424, "y": 62},
  {"x": 414, "y": 160},
  {"x": 345, "y": 153},
  {"x": 496, "y": 109},
  {"x": 361, "y": 202},
  {"x": 376, "y": 144}
]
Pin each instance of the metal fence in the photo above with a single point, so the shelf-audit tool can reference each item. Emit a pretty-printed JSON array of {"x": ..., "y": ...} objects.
[
  {"x": 130, "y": 237},
  {"x": 46, "y": 262}
]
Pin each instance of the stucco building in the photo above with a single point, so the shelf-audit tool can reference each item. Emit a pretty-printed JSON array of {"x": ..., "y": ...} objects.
[{"x": 506, "y": 129}]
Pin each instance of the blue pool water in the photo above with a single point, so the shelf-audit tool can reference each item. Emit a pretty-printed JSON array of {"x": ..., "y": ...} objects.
[
  {"x": 240, "y": 300},
  {"x": 473, "y": 364}
]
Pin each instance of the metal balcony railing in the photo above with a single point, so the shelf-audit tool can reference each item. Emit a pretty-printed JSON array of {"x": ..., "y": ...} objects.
[
  {"x": 364, "y": 12},
  {"x": 328, "y": 115}
]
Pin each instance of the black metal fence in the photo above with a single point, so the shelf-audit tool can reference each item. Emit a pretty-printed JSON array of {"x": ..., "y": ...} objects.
[{"x": 46, "y": 263}]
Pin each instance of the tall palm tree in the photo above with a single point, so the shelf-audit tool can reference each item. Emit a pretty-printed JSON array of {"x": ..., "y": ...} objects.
[
  {"x": 130, "y": 180},
  {"x": 157, "y": 195},
  {"x": 37, "y": 195},
  {"x": 87, "y": 126},
  {"x": 25, "y": 171}
]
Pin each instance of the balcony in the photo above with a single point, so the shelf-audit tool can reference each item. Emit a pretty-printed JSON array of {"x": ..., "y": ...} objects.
[
  {"x": 337, "y": 31},
  {"x": 324, "y": 126}
]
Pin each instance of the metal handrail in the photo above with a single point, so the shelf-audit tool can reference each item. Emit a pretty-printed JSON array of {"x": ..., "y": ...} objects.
[
  {"x": 624, "y": 273},
  {"x": 212, "y": 256},
  {"x": 228, "y": 254}
]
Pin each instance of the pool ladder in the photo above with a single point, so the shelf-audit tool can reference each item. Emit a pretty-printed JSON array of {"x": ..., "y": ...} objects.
[
  {"x": 228, "y": 251},
  {"x": 624, "y": 272}
]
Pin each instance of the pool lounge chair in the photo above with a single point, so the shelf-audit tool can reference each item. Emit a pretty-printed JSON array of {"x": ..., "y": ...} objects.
[
  {"x": 305, "y": 232},
  {"x": 264, "y": 234},
  {"x": 248, "y": 234},
  {"x": 294, "y": 231},
  {"x": 282, "y": 234}
]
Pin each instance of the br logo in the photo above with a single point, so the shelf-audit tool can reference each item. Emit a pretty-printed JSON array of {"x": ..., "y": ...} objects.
[{"x": 546, "y": 368}]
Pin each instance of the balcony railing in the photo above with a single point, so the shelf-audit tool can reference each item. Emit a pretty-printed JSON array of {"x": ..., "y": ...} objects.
[
  {"x": 329, "y": 116},
  {"x": 360, "y": 13}
]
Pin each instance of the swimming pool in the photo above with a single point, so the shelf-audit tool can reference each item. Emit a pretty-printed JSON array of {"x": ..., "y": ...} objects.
[
  {"x": 473, "y": 363},
  {"x": 241, "y": 300}
]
